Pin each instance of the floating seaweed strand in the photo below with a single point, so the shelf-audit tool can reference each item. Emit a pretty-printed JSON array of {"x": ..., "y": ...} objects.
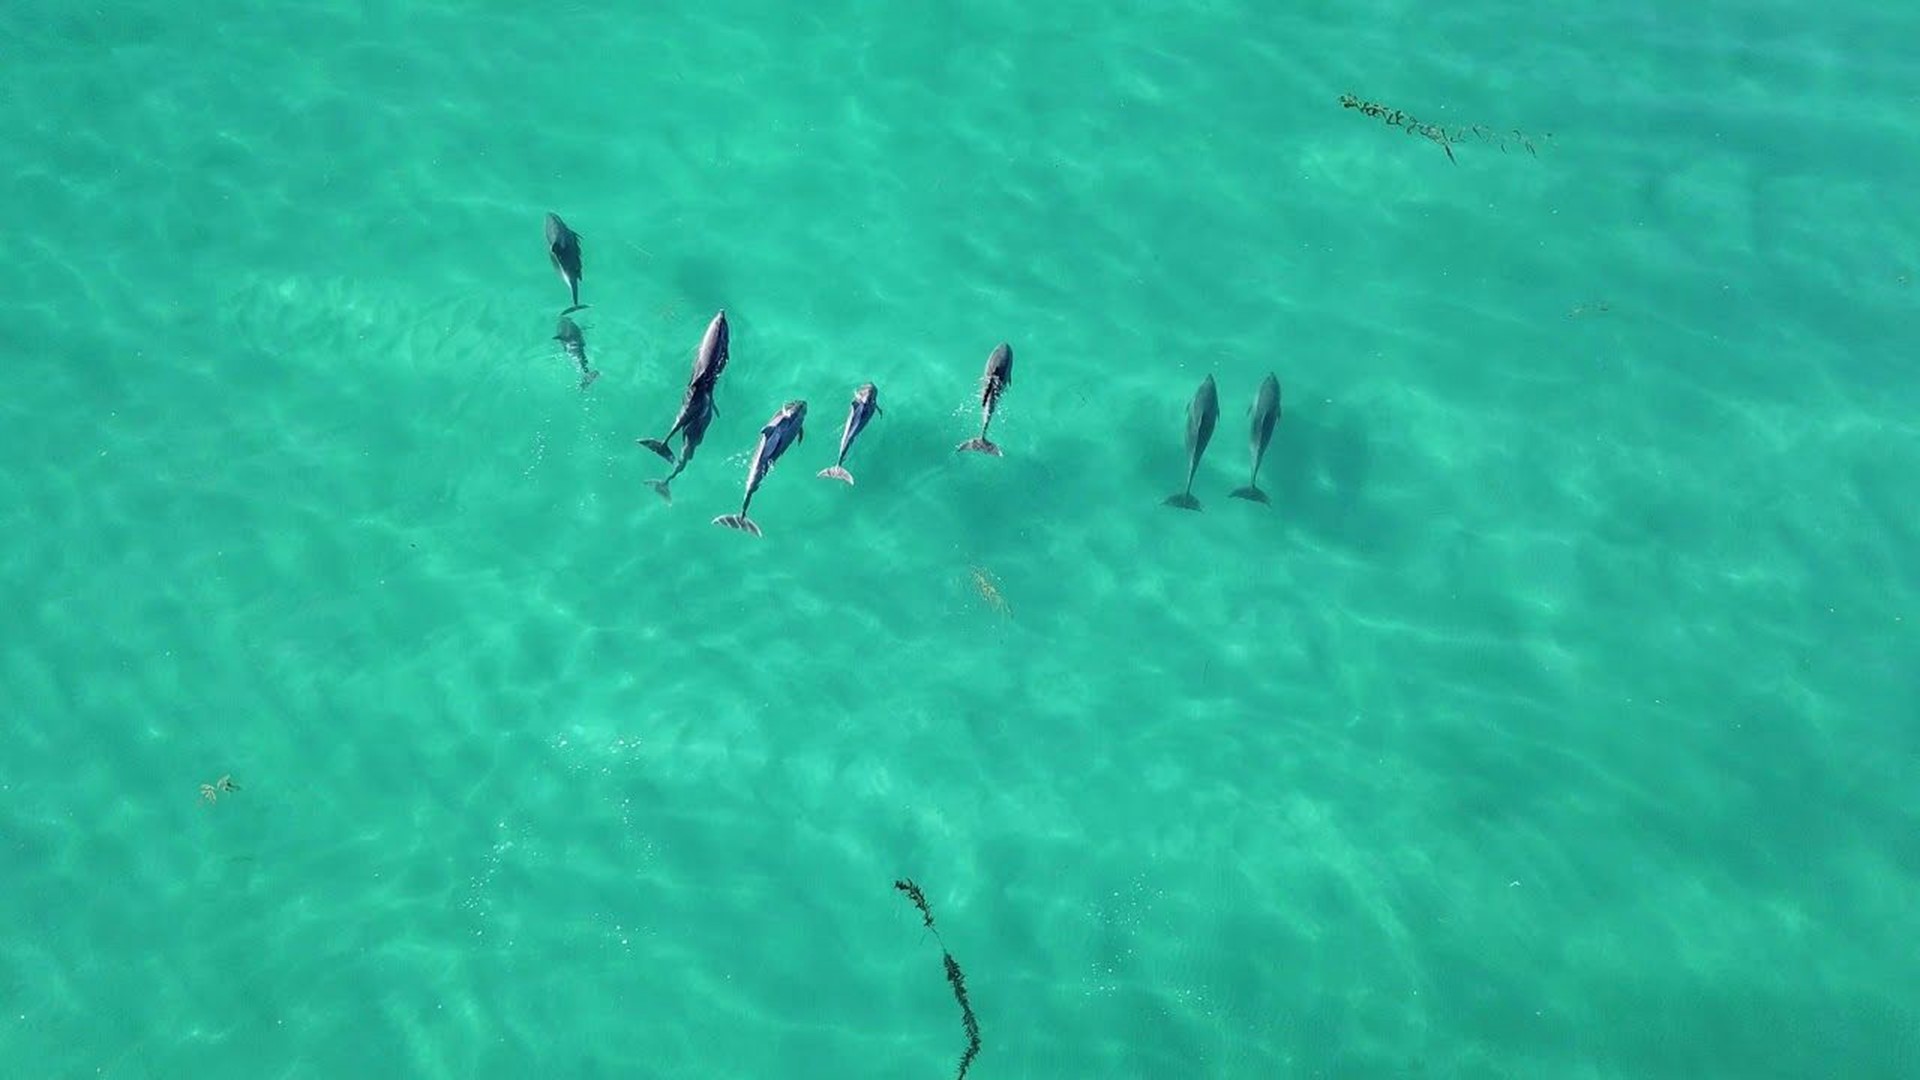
[
  {"x": 955, "y": 977},
  {"x": 919, "y": 900},
  {"x": 1444, "y": 136},
  {"x": 959, "y": 982}
]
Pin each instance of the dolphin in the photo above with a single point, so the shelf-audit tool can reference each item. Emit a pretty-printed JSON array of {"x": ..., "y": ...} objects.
[
  {"x": 699, "y": 413},
  {"x": 1201, "y": 416},
  {"x": 782, "y": 431},
  {"x": 563, "y": 246},
  {"x": 999, "y": 376},
  {"x": 715, "y": 347},
  {"x": 570, "y": 339},
  {"x": 1266, "y": 413},
  {"x": 866, "y": 406},
  {"x": 708, "y": 362},
  {"x": 698, "y": 400}
]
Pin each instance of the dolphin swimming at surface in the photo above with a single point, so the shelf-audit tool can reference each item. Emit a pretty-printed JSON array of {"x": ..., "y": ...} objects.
[
  {"x": 563, "y": 246},
  {"x": 569, "y": 336},
  {"x": 999, "y": 376},
  {"x": 708, "y": 362},
  {"x": 710, "y": 359},
  {"x": 1266, "y": 412},
  {"x": 866, "y": 406},
  {"x": 1201, "y": 415},
  {"x": 783, "y": 430},
  {"x": 698, "y": 411}
]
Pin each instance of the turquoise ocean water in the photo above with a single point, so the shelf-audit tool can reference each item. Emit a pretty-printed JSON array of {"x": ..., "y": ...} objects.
[{"x": 1557, "y": 720}]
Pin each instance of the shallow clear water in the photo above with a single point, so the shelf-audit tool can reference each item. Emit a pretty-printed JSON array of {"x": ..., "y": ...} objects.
[{"x": 1557, "y": 720}]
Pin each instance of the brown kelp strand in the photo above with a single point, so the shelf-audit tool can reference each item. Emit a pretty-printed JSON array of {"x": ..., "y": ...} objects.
[
  {"x": 955, "y": 978},
  {"x": 919, "y": 900},
  {"x": 1446, "y": 137},
  {"x": 959, "y": 982}
]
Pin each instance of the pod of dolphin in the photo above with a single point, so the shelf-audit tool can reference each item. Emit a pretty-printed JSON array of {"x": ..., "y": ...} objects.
[
  {"x": 1204, "y": 413},
  {"x": 787, "y": 426}
]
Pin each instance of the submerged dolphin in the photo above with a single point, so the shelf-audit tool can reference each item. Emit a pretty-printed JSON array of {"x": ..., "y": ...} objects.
[
  {"x": 698, "y": 412},
  {"x": 569, "y": 336},
  {"x": 1266, "y": 413},
  {"x": 563, "y": 246},
  {"x": 866, "y": 406},
  {"x": 783, "y": 430},
  {"x": 999, "y": 376},
  {"x": 708, "y": 362},
  {"x": 1201, "y": 416},
  {"x": 697, "y": 400}
]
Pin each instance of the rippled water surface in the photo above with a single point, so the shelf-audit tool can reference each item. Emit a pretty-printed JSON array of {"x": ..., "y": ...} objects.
[{"x": 1558, "y": 718}]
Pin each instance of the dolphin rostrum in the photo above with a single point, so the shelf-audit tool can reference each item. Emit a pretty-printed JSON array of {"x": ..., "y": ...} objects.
[
  {"x": 866, "y": 406},
  {"x": 999, "y": 376},
  {"x": 708, "y": 362},
  {"x": 569, "y": 336},
  {"x": 782, "y": 431},
  {"x": 563, "y": 246},
  {"x": 1266, "y": 413},
  {"x": 1200, "y": 420},
  {"x": 698, "y": 412}
]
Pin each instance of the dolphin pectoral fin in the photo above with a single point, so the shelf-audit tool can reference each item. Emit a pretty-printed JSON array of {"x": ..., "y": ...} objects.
[
  {"x": 1184, "y": 501},
  {"x": 1251, "y": 494}
]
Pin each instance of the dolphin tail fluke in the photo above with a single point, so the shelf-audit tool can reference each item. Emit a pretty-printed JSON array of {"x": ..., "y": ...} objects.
[
  {"x": 577, "y": 306},
  {"x": 1252, "y": 494},
  {"x": 738, "y": 521},
  {"x": 587, "y": 378},
  {"x": 658, "y": 447},
  {"x": 981, "y": 445},
  {"x": 835, "y": 472},
  {"x": 661, "y": 488},
  {"x": 1184, "y": 501}
]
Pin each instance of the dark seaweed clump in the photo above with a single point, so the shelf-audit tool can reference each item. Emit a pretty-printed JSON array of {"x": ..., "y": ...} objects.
[
  {"x": 919, "y": 900},
  {"x": 955, "y": 977},
  {"x": 959, "y": 981},
  {"x": 1446, "y": 137}
]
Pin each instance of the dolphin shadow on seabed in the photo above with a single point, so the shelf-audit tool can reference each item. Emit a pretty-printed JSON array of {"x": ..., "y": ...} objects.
[{"x": 1321, "y": 469}]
